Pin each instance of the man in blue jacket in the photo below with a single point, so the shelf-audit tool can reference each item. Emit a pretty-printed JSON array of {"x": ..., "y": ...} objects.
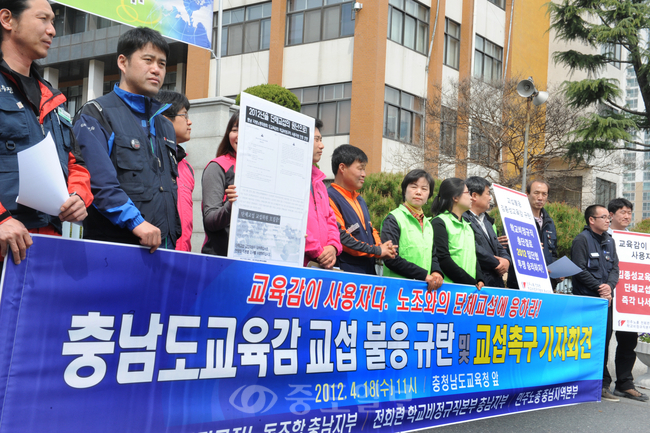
[{"x": 130, "y": 150}]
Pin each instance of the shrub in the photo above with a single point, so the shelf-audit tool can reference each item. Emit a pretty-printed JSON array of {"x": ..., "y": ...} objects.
[
  {"x": 569, "y": 221},
  {"x": 642, "y": 227},
  {"x": 383, "y": 193},
  {"x": 274, "y": 93}
]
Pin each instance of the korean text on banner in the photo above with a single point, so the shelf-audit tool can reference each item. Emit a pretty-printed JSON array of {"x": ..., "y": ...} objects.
[
  {"x": 185, "y": 21},
  {"x": 274, "y": 160},
  {"x": 632, "y": 295},
  {"x": 111, "y": 338},
  {"x": 523, "y": 239}
]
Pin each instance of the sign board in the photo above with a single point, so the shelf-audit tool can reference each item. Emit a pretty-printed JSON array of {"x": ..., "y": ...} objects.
[
  {"x": 523, "y": 239},
  {"x": 110, "y": 338}
]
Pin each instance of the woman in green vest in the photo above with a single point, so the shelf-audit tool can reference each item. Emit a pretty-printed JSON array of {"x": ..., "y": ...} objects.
[
  {"x": 453, "y": 237},
  {"x": 411, "y": 231}
]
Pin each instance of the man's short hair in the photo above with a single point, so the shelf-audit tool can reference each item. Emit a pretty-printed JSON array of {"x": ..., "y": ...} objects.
[
  {"x": 530, "y": 185},
  {"x": 619, "y": 203},
  {"x": 318, "y": 124},
  {"x": 137, "y": 38},
  {"x": 415, "y": 175},
  {"x": 16, "y": 7},
  {"x": 477, "y": 184},
  {"x": 178, "y": 101},
  {"x": 347, "y": 154},
  {"x": 591, "y": 211}
]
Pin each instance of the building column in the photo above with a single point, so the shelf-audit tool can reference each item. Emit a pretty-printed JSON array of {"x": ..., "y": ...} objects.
[
  {"x": 198, "y": 82},
  {"x": 51, "y": 75},
  {"x": 180, "y": 77},
  {"x": 368, "y": 81},
  {"x": 464, "y": 73},
  {"x": 95, "y": 80},
  {"x": 434, "y": 84},
  {"x": 276, "y": 48}
]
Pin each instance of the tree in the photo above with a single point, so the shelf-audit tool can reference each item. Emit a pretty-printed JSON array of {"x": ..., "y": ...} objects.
[
  {"x": 607, "y": 24},
  {"x": 274, "y": 93},
  {"x": 493, "y": 118}
]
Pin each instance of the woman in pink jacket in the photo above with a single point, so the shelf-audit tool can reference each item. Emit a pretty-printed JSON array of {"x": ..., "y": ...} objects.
[
  {"x": 323, "y": 242},
  {"x": 178, "y": 114}
]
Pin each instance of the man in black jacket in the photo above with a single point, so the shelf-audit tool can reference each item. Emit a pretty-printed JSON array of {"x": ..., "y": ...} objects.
[
  {"x": 594, "y": 252},
  {"x": 492, "y": 257}
]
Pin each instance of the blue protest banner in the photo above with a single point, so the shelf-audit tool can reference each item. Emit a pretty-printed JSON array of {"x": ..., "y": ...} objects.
[{"x": 107, "y": 338}]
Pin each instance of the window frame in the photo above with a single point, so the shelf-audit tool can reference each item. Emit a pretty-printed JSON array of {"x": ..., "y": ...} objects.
[
  {"x": 446, "y": 44},
  {"x": 413, "y": 135},
  {"x": 322, "y": 101},
  {"x": 484, "y": 54},
  {"x": 343, "y": 6},
  {"x": 501, "y": 4},
  {"x": 394, "y": 9},
  {"x": 448, "y": 132},
  {"x": 244, "y": 24}
]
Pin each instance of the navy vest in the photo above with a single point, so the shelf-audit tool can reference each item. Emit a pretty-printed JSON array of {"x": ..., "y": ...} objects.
[
  {"x": 599, "y": 267},
  {"x": 348, "y": 262},
  {"x": 149, "y": 180},
  {"x": 20, "y": 129}
]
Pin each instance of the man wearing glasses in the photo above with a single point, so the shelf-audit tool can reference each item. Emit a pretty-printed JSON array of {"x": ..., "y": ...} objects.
[
  {"x": 594, "y": 252},
  {"x": 620, "y": 212}
]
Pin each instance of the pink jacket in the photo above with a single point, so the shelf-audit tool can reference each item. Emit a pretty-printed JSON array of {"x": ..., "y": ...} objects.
[
  {"x": 185, "y": 188},
  {"x": 321, "y": 221}
]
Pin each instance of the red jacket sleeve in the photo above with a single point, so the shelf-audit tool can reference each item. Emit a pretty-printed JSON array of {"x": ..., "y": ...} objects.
[{"x": 79, "y": 180}]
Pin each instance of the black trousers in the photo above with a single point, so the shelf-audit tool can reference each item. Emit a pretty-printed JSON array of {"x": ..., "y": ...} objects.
[
  {"x": 625, "y": 358},
  {"x": 607, "y": 379}
]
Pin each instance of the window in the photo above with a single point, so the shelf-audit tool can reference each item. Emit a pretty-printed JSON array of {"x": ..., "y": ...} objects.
[
  {"x": 451, "y": 56},
  {"x": 330, "y": 103},
  {"x": 645, "y": 215},
  {"x": 500, "y": 3},
  {"x": 646, "y": 186},
  {"x": 605, "y": 191},
  {"x": 646, "y": 196},
  {"x": 629, "y": 177},
  {"x": 488, "y": 59},
  {"x": 614, "y": 52},
  {"x": 73, "y": 94},
  {"x": 403, "y": 116},
  {"x": 448, "y": 127},
  {"x": 170, "y": 82},
  {"x": 629, "y": 196},
  {"x": 480, "y": 150},
  {"x": 244, "y": 30},
  {"x": 408, "y": 24},
  {"x": 646, "y": 206},
  {"x": 566, "y": 189},
  {"x": 68, "y": 21},
  {"x": 628, "y": 186},
  {"x": 632, "y": 82},
  {"x": 318, "y": 20}
]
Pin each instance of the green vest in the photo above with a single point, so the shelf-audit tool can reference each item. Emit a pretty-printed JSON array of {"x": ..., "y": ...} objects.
[
  {"x": 462, "y": 245},
  {"x": 415, "y": 245}
]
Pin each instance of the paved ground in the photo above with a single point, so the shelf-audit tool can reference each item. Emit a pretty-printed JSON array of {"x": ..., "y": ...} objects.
[{"x": 604, "y": 417}]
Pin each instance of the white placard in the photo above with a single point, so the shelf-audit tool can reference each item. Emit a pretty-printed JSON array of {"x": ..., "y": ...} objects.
[
  {"x": 273, "y": 174},
  {"x": 41, "y": 184},
  {"x": 632, "y": 295},
  {"x": 523, "y": 239}
]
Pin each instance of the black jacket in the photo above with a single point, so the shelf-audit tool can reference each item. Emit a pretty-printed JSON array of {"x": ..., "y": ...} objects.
[
  {"x": 487, "y": 247},
  {"x": 596, "y": 256}
]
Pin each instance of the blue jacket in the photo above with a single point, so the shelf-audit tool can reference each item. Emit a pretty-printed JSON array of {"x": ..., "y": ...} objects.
[
  {"x": 133, "y": 167},
  {"x": 20, "y": 129}
]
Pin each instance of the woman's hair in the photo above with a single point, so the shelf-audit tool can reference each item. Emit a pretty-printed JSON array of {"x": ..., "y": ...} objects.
[
  {"x": 449, "y": 189},
  {"x": 412, "y": 177},
  {"x": 225, "y": 147}
]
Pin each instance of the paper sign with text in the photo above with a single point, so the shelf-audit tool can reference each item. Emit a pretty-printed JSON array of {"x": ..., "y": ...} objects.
[
  {"x": 523, "y": 239},
  {"x": 632, "y": 295}
]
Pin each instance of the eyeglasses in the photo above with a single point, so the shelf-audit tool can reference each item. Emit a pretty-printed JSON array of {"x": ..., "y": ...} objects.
[
  {"x": 603, "y": 217},
  {"x": 186, "y": 115}
]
